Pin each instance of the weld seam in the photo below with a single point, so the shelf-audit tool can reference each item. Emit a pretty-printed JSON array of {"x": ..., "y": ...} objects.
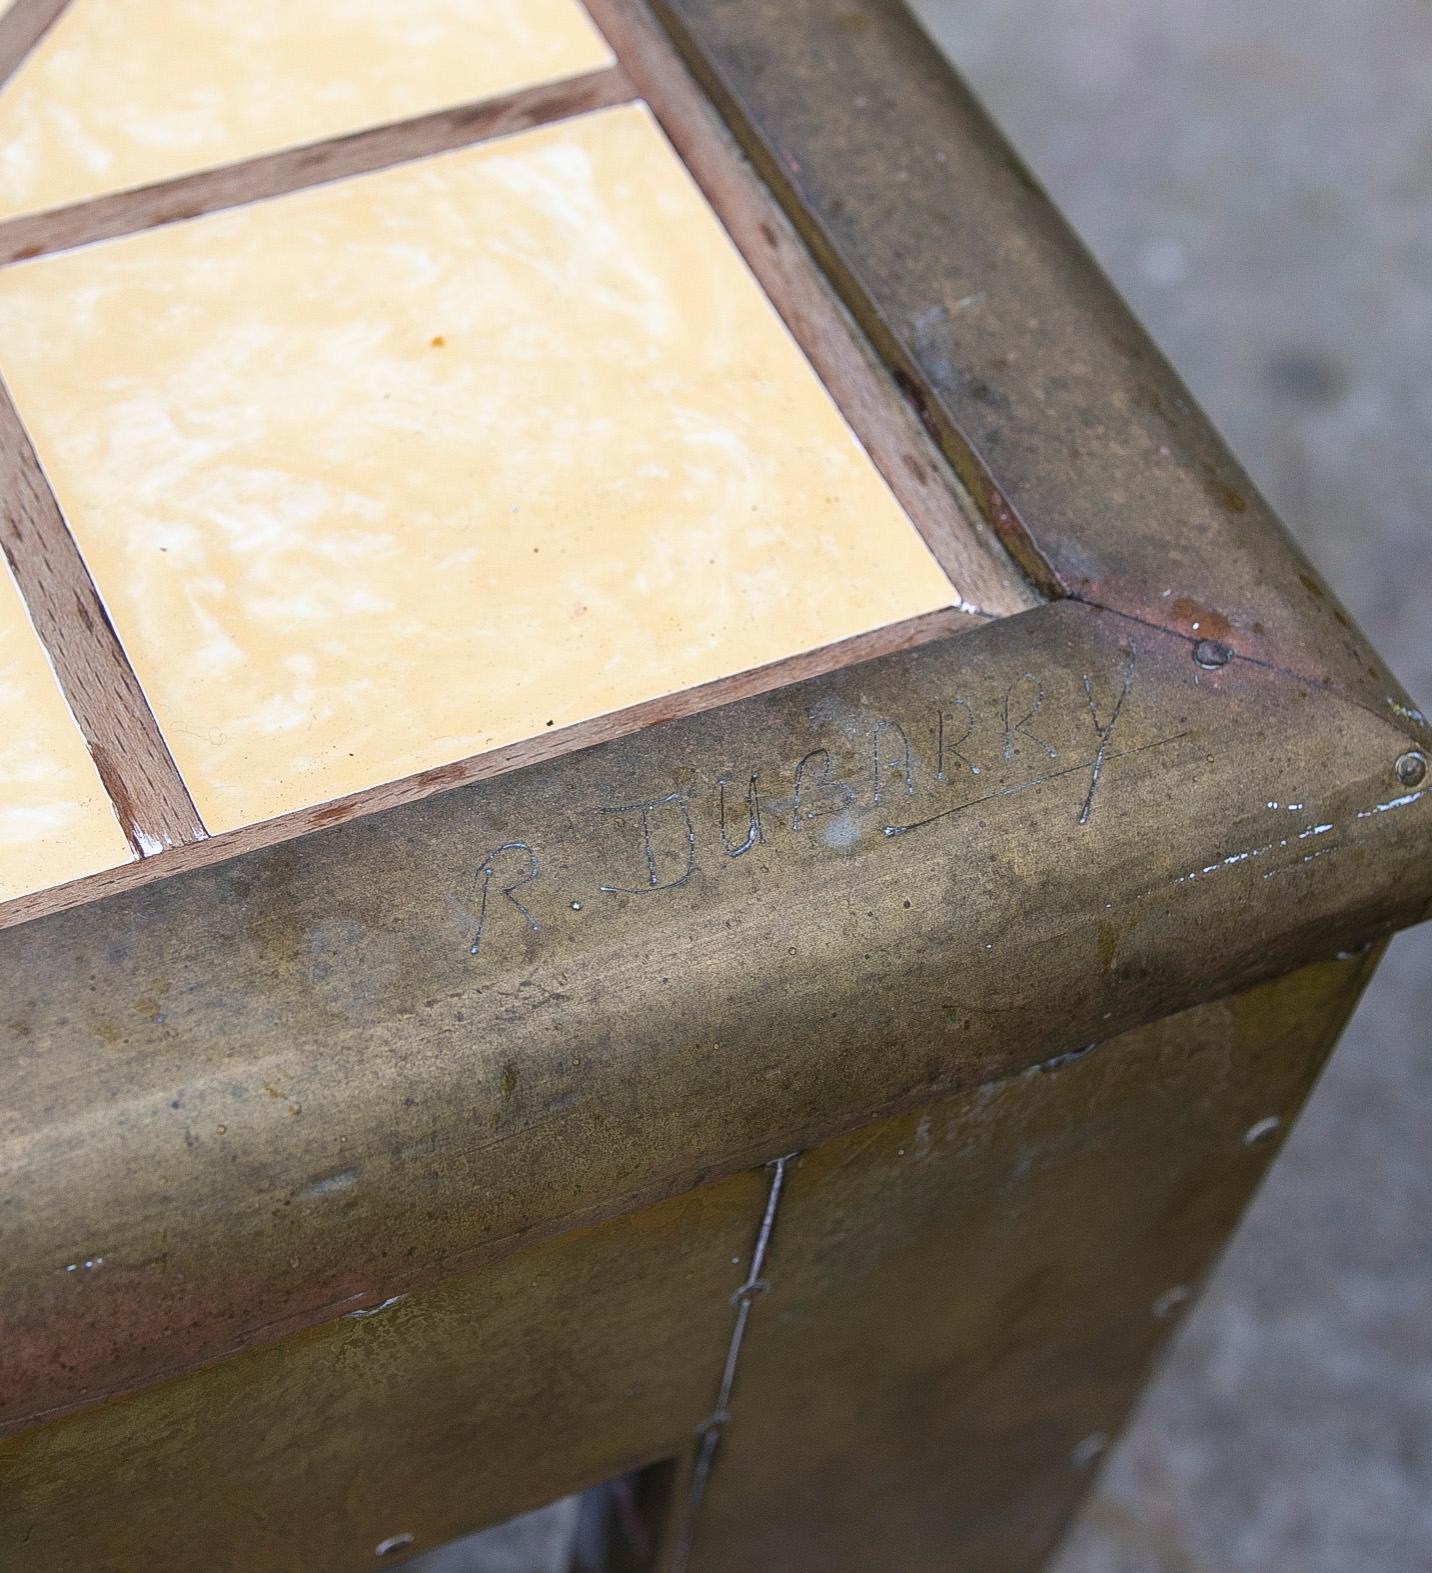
[{"x": 709, "y": 1433}]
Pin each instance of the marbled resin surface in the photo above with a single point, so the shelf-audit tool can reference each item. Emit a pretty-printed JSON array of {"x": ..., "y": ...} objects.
[
  {"x": 120, "y": 93},
  {"x": 56, "y": 823},
  {"x": 383, "y": 474}
]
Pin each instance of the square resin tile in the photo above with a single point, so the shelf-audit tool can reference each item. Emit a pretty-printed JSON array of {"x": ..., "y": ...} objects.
[
  {"x": 120, "y": 93},
  {"x": 386, "y": 473},
  {"x": 56, "y": 823}
]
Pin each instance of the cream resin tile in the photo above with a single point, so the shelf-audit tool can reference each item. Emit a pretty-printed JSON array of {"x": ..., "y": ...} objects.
[
  {"x": 56, "y": 823},
  {"x": 386, "y": 473},
  {"x": 120, "y": 93}
]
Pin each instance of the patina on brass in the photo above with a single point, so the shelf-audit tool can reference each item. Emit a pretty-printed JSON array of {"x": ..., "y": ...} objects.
[
  {"x": 374, "y": 1056},
  {"x": 411, "y": 1055},
  {"x": 1086, "y": 450},
  {"x": 954, "y": 1309},
  {"x": 964, "y": 1300}
]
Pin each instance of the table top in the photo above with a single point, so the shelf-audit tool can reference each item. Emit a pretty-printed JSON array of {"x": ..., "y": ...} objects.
[{"x": 408, "y": 451}]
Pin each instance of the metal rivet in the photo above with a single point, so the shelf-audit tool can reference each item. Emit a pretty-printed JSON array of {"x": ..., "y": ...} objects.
[
  {"x": 386, "y": 1548},
  {"x": 1212, "y": 654},
  {"x": 1412, "y": 768}
]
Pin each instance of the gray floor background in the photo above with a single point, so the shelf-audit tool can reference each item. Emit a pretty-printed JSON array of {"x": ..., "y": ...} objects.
[{"x": 1256, "y": 175}]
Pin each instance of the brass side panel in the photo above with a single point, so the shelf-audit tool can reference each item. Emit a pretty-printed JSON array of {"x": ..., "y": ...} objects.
[
  {"x": 960, "y": 1305},
  {"x": 272, "y": 1091},
  {"x": 468, "y": 1403},
  {"x": 963, "y": 1301}
]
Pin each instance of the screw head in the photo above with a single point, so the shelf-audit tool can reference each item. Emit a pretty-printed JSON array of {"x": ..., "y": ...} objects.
[
  {"x": 1211, "y": 653},
  {"x": 1411, "y": 769}
]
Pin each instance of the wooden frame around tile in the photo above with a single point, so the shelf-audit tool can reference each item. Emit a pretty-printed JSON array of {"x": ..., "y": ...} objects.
[
  {"x": 151, "y": 800},
  {"x": 21, "y": 28}
]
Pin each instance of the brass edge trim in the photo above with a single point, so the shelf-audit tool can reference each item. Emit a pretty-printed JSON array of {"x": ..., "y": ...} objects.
[
  {"x": 1064, "y": 420},
  {"x": 524, "y": 1002}
]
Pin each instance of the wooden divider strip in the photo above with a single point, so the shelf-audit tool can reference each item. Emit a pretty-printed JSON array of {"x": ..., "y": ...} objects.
[
  {"x": 292, "y": 169},
  {"x": 906, "y": 635},
  {"x": 153, "y": 804},
  {"x": 21, "y": 28},
  {"x": 886, "y": 424},
  {"x": 134, "y": 763}
]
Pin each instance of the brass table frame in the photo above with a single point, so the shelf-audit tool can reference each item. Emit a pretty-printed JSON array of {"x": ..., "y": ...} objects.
[{"x": 837, "y": 1093}]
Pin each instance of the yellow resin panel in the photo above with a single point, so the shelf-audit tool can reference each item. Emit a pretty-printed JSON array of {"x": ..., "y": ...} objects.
[
  {"x": 120, "y": 93},
  {"x": 384, "y": 474},
  {"x": 56, "y": 823}
]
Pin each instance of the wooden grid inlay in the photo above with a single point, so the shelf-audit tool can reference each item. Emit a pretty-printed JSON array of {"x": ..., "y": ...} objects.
[{"x": 101, "y": 401}]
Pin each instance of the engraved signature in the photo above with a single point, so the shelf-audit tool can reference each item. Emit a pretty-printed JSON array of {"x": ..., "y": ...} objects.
[{"x": 654, "y": 842}]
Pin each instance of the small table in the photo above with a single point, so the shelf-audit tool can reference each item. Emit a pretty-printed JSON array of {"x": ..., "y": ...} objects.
[{"x": 666, "y": 815}]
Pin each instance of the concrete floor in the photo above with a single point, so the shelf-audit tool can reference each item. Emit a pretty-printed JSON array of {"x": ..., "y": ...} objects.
[{"x": 1256, "y": 175}]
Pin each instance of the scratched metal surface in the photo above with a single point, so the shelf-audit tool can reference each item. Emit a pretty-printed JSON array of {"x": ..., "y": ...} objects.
[
  {"x": 477, "y": 1399},
  {"x": 962, "y": 1301},
  {"x": 916, "y": 1337},
  {"x": 264, "y": 1094}
]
